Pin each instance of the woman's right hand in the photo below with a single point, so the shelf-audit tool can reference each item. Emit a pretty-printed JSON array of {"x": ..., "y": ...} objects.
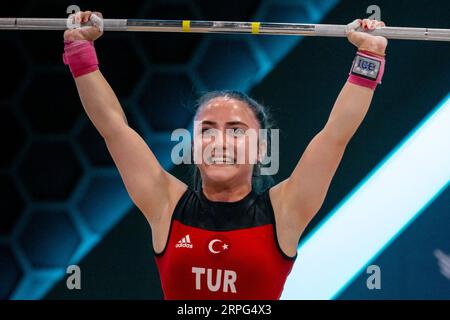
[{"x": 85, "y": 33}]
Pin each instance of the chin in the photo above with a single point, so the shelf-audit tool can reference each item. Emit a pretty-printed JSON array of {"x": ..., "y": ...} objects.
[{"x": 221, "y": 173}]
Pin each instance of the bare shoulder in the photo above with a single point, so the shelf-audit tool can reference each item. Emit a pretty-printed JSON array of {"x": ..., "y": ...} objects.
[
  {"x": 288, "y": 233},
  {"x": 161, "y": 225},
  {"x": 176, "y": 189},
  {"x": 167, "y": 196},
  {"x": 276, "y": 196}
]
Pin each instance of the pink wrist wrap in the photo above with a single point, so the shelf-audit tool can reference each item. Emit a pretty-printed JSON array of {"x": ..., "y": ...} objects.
[
  {"x": 367, "y": 69},
  {"x": 81, "y": 57}
]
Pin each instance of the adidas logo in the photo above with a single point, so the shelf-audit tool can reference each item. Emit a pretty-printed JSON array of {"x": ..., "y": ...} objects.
[{"x": 185, "y": 242}]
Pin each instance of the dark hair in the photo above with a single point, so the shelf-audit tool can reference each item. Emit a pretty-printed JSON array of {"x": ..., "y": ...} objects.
[{"x": 259, "y": 182}]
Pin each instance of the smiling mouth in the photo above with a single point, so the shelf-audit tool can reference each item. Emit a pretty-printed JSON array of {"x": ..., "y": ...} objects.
[{"x": 221, "y": 161}]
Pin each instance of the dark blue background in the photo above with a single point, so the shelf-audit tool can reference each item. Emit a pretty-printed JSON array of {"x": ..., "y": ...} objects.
[{"x": 62, "y": 199}]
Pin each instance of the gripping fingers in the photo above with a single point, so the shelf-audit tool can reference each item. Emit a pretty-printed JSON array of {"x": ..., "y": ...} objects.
[
  {"x": 85, "y": 16},
  {"x": 369, "y": 24},
  {"x": 97, "y": 20},
  {"x": 364, "y": 25},
  {"x": 353, "y": 26},
  {"x": 75, "y": 20}
]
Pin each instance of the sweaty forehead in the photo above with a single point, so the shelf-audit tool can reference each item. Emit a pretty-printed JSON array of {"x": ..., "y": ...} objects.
[{"x": 225, "y": 109}]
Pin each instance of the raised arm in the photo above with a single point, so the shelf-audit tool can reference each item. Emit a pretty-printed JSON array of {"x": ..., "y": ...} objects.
[
  {"x": 300, "y": 197},
  {"x": 151, "y": 188}
]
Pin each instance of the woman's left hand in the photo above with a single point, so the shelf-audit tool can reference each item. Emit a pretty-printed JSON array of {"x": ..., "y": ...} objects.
[{"x": 366, "y": 41}]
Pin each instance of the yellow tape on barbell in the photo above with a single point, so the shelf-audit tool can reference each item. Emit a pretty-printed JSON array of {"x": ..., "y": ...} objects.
[
  {"x": 255, "y": 27},
  {"x": 186, "y": 25}
]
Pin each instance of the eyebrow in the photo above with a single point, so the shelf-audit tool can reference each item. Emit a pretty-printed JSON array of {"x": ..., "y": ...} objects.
[{"x": 230, "y": 123}]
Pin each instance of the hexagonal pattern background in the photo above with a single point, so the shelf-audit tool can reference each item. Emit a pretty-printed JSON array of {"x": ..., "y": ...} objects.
[{"x": 63, "y": 190}]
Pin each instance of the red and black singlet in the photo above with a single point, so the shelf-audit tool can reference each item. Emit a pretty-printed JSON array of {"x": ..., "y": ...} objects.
[{"x": 223, "y": 250}]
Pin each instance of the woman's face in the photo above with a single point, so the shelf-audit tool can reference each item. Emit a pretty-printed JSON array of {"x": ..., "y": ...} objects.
[{"x": 221, "y": 137}]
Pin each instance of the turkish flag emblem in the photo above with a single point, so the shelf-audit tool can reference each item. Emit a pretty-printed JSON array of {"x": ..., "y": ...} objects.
[{"x": 218, "y": 245}]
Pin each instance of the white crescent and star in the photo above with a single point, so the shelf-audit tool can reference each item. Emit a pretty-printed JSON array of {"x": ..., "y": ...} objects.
[{"x": 211, "y": 244}]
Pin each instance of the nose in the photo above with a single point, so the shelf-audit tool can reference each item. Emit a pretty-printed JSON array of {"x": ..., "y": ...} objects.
[{"x": 222, "y": 143}]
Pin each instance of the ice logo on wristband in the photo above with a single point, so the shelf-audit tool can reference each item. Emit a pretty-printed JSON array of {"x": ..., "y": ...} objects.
[{"x": 366, "y": 67}]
